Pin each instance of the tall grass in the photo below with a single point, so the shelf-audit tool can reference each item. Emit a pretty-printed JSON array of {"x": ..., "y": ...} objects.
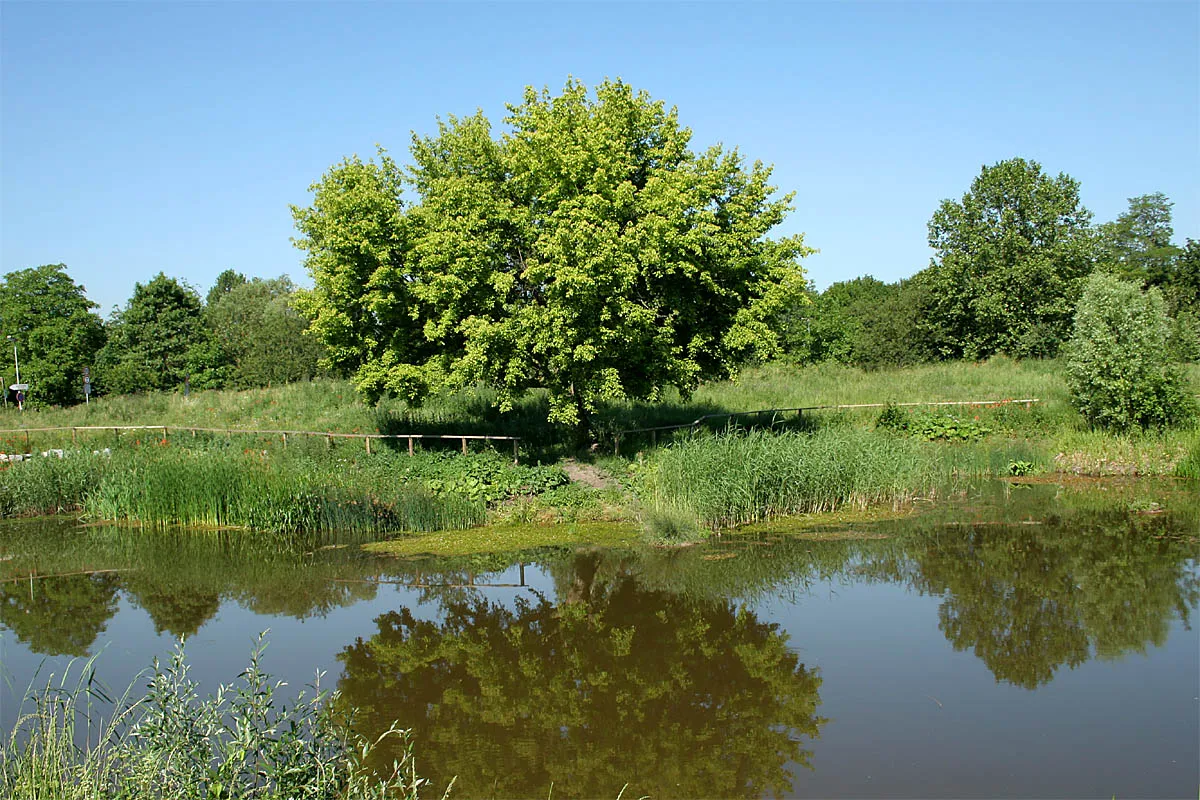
[
  {"x": 730, "y": 480},
  {"x": 223, "y": 488},
  {"x": 170, "y": 742},
  {"x": 245, "y": 490}
]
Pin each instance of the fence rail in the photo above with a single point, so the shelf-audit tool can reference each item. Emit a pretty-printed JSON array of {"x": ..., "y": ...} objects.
[
  {"x": 283, "y": 434},
  {"x": 801, "y": 409}
]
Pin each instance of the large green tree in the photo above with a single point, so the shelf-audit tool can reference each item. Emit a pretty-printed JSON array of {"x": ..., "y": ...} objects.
[
  {"x": 1010, "y": 256},
  {"x": 261, "y": 334},
  {"x": 588, "y": 251},
  {"x": 55, "y": 330},
  {"x": 158, "y": 340}
]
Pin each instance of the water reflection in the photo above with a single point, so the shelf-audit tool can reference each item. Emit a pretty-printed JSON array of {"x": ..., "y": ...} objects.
[
  {"x": 607, "y": 684},
  {"x": 1073, "y": 582},
  {"x": 1030, "y": 580},
  {"x": 62, "y": 616}
]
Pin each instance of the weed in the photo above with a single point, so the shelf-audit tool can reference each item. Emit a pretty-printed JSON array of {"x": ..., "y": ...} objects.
[{"x": 240, "y": 742}]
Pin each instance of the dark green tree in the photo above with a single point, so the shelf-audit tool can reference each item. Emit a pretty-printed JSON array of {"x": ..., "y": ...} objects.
[
  {"x": 226, "y": 282},
  {"x": 262, "y": 335},
  {"x": 55, "y": 330},
  {"x": 1010, "y": 257},
  {"x": 588, "y": 251},
  {"x": 158, "y": 340},
  {"x": 1137, "y": 245}
]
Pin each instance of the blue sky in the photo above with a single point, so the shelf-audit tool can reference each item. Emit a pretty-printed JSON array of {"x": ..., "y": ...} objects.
[{"x": 145, "y": 137}]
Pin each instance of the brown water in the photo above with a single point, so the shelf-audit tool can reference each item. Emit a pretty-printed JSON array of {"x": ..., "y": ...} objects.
[{"x": 1025, "y": 641}]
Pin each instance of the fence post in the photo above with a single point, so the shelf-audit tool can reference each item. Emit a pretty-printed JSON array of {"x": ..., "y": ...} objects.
[
  {"x": 617, "y": 444},
  {"x": 410, "y": 446},
  {"x": 72, "y": 435},
  {"x": 30, "y": 450},
  {"x": 164, "y": 434},
  {"x": 329, "y": 442},
  {"x": 464, "y": 441},
  {"x": 368, "y": 441},
  {"x": 284, "y": 435},
  {"x": 515, "y": 456}
]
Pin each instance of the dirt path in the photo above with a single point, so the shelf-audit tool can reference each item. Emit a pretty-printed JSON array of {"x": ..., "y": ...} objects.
[{"x": 587, "y": 474}]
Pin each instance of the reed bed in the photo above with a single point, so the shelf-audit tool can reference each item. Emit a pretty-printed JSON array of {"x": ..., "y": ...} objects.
[
  {"x": 72, "y": 741},
  {"x": 730, "y": 480},
  {"x": 161, "y": 487}
]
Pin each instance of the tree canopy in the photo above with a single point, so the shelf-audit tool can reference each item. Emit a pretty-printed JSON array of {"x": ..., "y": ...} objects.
[
  {"x": 588, "y": 251},
  {"x": 55, "y": 329},
  {"x": 1010, "y": 256}
]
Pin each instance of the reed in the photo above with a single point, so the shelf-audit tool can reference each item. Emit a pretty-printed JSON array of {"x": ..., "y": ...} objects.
[
  {"x": 216, "y": 489},
  {"x": 729, "y": 480}
]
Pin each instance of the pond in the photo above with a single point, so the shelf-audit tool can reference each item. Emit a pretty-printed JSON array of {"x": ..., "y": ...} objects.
[{"x": 1023, "y": 640}]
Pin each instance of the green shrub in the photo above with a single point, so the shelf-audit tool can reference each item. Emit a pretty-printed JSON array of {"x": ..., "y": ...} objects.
[{"x": 1119, "y": 369}]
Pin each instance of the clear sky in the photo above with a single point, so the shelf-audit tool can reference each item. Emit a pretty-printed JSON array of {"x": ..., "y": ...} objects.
[{"x": 147, "y": 137}]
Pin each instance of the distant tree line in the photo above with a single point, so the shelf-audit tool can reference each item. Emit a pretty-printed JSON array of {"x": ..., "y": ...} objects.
[
  {"x": 1012, "y": 257},
  {"x": 245, "y": 333}
]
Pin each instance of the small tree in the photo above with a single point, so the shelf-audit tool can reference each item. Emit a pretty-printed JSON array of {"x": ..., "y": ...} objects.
[{"x": 1119, "y": 368}]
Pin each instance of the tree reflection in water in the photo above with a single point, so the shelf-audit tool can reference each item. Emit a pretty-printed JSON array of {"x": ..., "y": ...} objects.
[{"x": 612, "y": 684}]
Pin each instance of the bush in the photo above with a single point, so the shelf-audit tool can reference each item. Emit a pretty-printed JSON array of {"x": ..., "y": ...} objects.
[{"x": 1119, "y": 367}]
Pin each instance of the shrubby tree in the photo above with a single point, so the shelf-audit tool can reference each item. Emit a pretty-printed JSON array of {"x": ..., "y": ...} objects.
[
  {"x": 588, "y": 251},
  {"x": 261, "y": 334},
  {"x": 862, "y": 322},
  {"x": 158, "y": 340},
  {"x": 56, "y": 331},
  {"x": 891, "y": 334},
  {"x": 1010, "y": 256},
  {"x": 1119, "y": 367}
]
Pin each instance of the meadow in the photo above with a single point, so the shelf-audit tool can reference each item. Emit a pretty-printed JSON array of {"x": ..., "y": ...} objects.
[{"x": 725, "y": 472}]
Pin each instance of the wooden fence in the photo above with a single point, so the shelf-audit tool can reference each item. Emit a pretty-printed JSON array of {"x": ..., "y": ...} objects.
[
  {"x": 283, "y": 435},
  {"x": 799, "y": 410}
]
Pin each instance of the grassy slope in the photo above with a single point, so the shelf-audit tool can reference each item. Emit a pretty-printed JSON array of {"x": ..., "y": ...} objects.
[{"x": 334, "y": 406}]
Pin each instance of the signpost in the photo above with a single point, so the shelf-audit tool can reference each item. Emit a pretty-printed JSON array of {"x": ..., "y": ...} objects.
[{"x": 20, "y": 389}]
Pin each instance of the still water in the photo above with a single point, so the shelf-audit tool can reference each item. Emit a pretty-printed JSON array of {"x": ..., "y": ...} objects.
[{"x": 1024, "y": 640}]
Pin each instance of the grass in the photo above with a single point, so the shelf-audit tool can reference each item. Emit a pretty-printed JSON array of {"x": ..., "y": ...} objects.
[{"x": 171, "y": 742}]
